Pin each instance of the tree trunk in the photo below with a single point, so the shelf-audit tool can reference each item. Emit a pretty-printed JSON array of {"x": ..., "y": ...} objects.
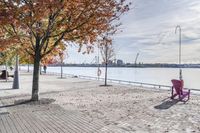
[
  {"x": 106, "y": 67},
  {"x": 35, "y": 85},
  {"x": 106, "y": 74},
  {"x": 61, "y": 70},
  {"x": 36, "y": 70}
]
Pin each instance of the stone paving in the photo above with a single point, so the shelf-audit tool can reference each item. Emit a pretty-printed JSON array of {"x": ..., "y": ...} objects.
[
  {"x": 28, "y": 117},
  {"x": 74, "y": 105}
]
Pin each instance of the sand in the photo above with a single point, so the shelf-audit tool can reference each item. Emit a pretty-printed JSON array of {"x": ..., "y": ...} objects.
[
  {"x": 131, "y": 109},
  {"x": 122, "y": 108}
]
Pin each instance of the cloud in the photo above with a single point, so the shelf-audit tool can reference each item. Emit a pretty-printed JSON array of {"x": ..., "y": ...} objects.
[{"x": 150, "y": 28}]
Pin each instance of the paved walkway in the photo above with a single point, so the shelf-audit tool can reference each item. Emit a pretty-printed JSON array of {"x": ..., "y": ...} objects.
[{"x": 27, "y": 117}]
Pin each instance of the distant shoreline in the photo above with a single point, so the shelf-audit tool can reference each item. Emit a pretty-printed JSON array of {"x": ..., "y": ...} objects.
[{"x": 128, "y": 66}]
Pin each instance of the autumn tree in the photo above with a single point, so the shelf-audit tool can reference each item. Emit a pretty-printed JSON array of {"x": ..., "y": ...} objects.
[
  {"x": 7, "y": 56},
  {"x": 39, "y": 26},
  {"x": 107, "y": 53}
]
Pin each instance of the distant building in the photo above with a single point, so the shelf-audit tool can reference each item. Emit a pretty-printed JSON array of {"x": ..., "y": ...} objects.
[
  {"x": 110, "y": 62},
  {"x": 120, "y": 62}
]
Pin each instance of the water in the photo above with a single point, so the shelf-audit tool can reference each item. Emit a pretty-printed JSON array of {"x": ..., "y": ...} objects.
[{"x": 160, "y": 76}]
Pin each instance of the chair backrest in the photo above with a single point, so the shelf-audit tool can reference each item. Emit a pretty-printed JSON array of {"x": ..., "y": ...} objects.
[
  {"x": 3, "y": 74},
  {"x": 178, "y": 85}
]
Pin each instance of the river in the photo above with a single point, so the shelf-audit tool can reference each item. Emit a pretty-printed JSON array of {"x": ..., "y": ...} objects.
[{"x": 160, "y": 76}]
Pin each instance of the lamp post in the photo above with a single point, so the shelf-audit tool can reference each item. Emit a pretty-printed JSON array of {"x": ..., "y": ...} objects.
[
  {"x": 16, "y": 74},
  {"x": 6, "y": 71},
  {"x": 28, "y": 64},
  {"x": 98, "y": 71},
  {"x": 180, "y": 71},
  {"x": 61, "y": 64}
]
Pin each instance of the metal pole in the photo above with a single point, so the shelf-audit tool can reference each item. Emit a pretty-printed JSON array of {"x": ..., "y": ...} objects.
[
  {"x": 16, "y": 74},
  {"x": 180, "y": 71},
  {"x": 61, "y": 68},
  {"x": 98, "y": 64},
  {"x": 61, "y": 64},
  {"x": 28, "y": 68},
  {"x": 6, "y": 71},
  {"x": 28, "y": 64}
]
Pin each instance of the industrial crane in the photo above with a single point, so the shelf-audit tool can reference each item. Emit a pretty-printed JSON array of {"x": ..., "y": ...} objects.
[{"x": 136, "y": 59}]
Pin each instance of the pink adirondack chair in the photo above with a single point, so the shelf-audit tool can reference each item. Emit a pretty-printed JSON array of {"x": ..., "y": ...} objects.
[{"x": 179, "y": 90}]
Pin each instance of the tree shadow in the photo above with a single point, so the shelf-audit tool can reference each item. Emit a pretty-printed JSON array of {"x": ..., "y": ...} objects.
[
  {"x": 166, "y": 104},
  {"x": 62, "y": 78},
  {"x": 42, "y": 101},
  {"x": 105, "y": 85}
]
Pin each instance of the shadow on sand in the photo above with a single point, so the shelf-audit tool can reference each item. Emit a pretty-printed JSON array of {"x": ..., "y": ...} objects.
[
  {"x": 42, "y": 101},
  {"x": 166, "y": 104},
  {"x": 105, "y": 85}
]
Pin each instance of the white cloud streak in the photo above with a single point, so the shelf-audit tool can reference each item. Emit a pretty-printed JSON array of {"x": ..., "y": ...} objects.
[{"x": 150, "y": 29}]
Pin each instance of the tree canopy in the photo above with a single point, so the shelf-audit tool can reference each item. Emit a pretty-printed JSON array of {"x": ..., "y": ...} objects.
[
  {"x": 40, "y": 27},
  {"x": 49, "y": 22}
]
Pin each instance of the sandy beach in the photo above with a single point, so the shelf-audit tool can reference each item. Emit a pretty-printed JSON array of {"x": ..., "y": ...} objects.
[{"x": 121, "y": 108}]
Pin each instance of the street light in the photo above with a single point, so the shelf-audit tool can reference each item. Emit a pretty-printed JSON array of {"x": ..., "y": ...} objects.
[
  {"x": 180, "y": 71},
  {"x": 99, "y": 70},
  {"x": 61, "y": 64},
  {"x": 16, "y": 74}
]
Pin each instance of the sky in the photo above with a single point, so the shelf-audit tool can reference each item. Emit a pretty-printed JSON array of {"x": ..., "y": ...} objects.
[{"x": 149, "y": 29}]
